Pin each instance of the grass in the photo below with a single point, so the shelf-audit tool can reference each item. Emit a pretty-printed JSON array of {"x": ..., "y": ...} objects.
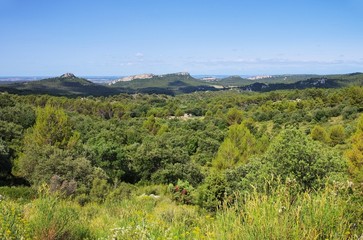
[{"x": 327, "y": 214}]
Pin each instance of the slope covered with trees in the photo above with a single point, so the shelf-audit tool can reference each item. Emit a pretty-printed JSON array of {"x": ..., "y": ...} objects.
[{"x": 226, "y": 164}]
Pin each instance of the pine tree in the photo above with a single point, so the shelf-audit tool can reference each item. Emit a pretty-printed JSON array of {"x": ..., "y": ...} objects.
[{"x": 236, "y": 148}]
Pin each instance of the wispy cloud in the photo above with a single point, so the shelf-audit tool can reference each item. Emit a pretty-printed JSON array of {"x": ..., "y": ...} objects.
[
  {"x": 139, "y": 55},
  {"x": 274, "y": 61}
]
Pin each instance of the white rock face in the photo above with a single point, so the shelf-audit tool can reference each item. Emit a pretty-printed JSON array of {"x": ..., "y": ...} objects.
[
  {"x": 68, "y": 75},
  {"x": 260, "y": 77}
]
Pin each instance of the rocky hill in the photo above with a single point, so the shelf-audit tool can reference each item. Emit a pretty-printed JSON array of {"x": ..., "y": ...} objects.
[{"x": 64, "y": 85}]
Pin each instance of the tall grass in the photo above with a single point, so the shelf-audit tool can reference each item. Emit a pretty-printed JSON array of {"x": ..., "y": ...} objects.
[{"x": 278, "y": 215}]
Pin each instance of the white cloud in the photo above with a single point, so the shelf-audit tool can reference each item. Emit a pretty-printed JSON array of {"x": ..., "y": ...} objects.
[{"x": 139, "y": 55}]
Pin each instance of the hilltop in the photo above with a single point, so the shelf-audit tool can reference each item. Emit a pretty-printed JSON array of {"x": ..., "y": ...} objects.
[
  {"x": 174, "y": 83},
  {"x": 65, "y": 85}
]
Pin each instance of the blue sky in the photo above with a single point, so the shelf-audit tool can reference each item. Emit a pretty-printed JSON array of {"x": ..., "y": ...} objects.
[{"x": 124, "y": 37}]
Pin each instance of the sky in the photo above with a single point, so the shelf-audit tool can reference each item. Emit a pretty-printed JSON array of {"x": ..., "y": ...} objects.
[{"x": 229, "y": 37}]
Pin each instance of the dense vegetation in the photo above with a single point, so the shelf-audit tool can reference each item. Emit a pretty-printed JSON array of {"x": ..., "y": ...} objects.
[{"x": 212, "y": 165}]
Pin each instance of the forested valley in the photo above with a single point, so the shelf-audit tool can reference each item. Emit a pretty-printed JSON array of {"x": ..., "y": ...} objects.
[{"x": 206, "y": 165}]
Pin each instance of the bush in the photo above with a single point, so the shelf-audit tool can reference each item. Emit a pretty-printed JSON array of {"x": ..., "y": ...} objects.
[
  {"x": 12, "y": 225},
  {"x": 182, "y": 192},
  {"x": 122, "y": 192},
  {"x": 52, "y": 218},
  {"x": 337, "y": 135},
  {"x": 172, "y": 172},
  {"x": 212, "y": 192},
  {"x": 18, "y": 193},
  {"x": 292, "y": 157}
]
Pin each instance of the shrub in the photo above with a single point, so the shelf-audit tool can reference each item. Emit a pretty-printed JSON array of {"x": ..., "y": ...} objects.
[
  {"x": 172, "y": 172},
  {"x": 212, "y": 192},
  {"x": 18, "y": 193},
  {"x": 337, "y": 135},
  {"x": 52, "y": 218},
  {"x": 99, "y": 190},
  {"x": 12, "y": 224},
  {"x": 122, "y": 192},
  {"x": 182, "y": 192},
  {"x": 291, "y": 157}
]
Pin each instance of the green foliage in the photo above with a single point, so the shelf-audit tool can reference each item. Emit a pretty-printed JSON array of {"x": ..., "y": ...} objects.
[
  {"x": 121, "y": 192},
  {"x": 52, "y": 127},
  {"x": 151, "y": 125},
  {"x": 154, "y": 155},
  {"x": 18, "y": 193},
  {"x": 20, "y": 114},
  {"x": 94, "y": 151},
  {"x": 99, "y": 190},
  {"x": 293, "y": 155},
  {"x": 282, "y": 215},
  {"x": 319, "y": 134},
  {"x": 50, "y": 149},
  {"x": 228, "y": 155},
  {"x": 268, "y": 214},
  {"x": 337, "y": 135},
  {"x": 105, "y": 151},
  {"x": 355, "y": 154},
  {"x": 212, "y": 192},
  {"x": 51, "y": 218},
  {"x": 38, "y": 165},
  {"x": 237, "y": 147},
  {"x": 182, "y": 192},
  {"x": 171, "y": 173},
  {"x": 12, "y": 225},
  {"x": 292, "y": 158},
  {"x": 234, "y": 116}
]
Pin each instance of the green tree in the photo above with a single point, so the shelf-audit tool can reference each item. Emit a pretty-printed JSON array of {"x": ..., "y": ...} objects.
[
  {"x": 234, "y": 116},
  {"x": 294, "y": 155},
  {"x": 337, "y": 135},
  {"x": 237, "y": 147},
  {"x": 227, "y": 156},
  {"x": 52, "y": 127},
  {"x": 319, "y": 134},
  {"x": 212, "y": 192},
  {"x": 51, "y": 149},
  {"x": 39, "y": 164},
  {"x": 151, "y": 125}
]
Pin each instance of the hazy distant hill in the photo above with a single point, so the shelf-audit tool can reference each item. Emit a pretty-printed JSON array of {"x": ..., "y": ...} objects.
[
  {"x": 234, "y": 81},
  {"x": 65, "y": 85},
  {"x": 329, "y": 81},
  {"x": 169, "y": 83},
  {"x": 238, "y": 81}
]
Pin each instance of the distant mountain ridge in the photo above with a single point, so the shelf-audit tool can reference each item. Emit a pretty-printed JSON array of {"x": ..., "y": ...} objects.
[
  {"x": 65, "y": 85},
  {"x": 176, "y": 83},
  {"x": 147, "y": 76}
]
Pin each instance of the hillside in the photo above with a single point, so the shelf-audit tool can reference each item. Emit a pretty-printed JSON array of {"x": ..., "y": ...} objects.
[
  {"x": 133, "y": 167},
  {"x": 330, "y": 81},
  {"x": 237, "y": 81},
  {"x": 66, "y": 85},
  {"x": 166, "y": 83},
  {"x": 234, "y": 81}
]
